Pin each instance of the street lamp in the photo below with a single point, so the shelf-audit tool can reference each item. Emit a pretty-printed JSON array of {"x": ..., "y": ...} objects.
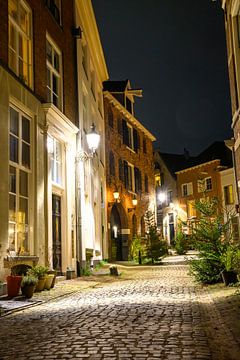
[
  {"x": 162, "y": 197},
  {"x": 134, "y": 202},
  {"x": 93, "y": 139}
]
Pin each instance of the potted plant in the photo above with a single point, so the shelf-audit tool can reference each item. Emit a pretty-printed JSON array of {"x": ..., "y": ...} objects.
[
  {"x": 50, "y": 278},
  {"x": 39, "y": 272},
  {"x": 14, "y": 280},
  {"x": 28, "y": 285},
  {"x": 228, "y": 260}
]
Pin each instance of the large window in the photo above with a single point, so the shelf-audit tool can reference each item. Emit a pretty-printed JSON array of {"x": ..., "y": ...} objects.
[
  {"x": 129, "y": 176},
  {"x": 228, "y": 195},
  {"x": 187, "y": 189},
  {"x": 54, "y": 74},
  {"x": 111, "y": 164},
  {"x": 130, "y": 136},
  {"x": 20, "y": 40},
  {"x": 19, "y": 174},
  {"x": 56, "y": 160},
  {"x": 55, "y": 8},
  {"x": 205, "y": 184}
]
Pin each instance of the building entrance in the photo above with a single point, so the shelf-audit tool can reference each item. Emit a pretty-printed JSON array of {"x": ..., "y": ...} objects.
[{"x": 56, "y": 233}]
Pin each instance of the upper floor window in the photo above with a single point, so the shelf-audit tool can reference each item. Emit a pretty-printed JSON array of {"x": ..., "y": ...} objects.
[
  {"x": 130, "y": 136},
  {"x": 129, "y": 176},
  {"x": 187, "y": 189},
  {"x": 157, "y": 180},
  {"x": 138, "y": 180},
  {"x": 228, "y": 195},
  {"x": 20, "y": 40},
  {"x": 99, "y": 101},
  {"x": 56, "y": 160},
  {"x": 84, "y": 110},
  {"x": 169, "y": 197},
  {"x": 54, "y": 74},
  {"x": 120, "y": 170},
  {"x": 205, "y": 184},
  {"x": 111, "y": 164},
  {"x": 19, "y": 141},
  {"x": 55, "y": 8}
]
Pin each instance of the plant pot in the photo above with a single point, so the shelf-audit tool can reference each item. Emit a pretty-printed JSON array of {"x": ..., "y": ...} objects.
[
  {"x": 28, "y": 290},
  {"x": 49, "y": 280},
  {"x": 41, "y": 284},
  {"x": 229, "y": 277},
  {"x": 52, "y": 272},
  {"x": 13, "y": 285}
]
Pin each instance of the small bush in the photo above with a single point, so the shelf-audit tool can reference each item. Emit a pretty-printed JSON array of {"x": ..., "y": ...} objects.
[
  {"x": 205, "y": 271},
  {"x": 86, "y": 271},
  {"x": 181, "y": 243}
]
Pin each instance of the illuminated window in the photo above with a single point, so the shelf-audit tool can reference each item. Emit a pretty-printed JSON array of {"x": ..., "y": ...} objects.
[
  {"x": 191, "y": 208},
  {"x": 208, "y": 184},
  {"x": 56, "y": 161},
  {"x": 228, "y": 195},
  {"x": 187, "y": 189},
  {"x": 55, "y": 8},
  {"x": 157, "y": 180},
  {"x": 19, "y": 177},
  {"x": 169, "y": 197},
  {"x": 54, "y": 76},
  {"x": 20, "y": 40}
]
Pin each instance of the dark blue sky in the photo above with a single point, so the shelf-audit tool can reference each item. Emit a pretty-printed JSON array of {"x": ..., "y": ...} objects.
[{"x": 175, "y": 51}]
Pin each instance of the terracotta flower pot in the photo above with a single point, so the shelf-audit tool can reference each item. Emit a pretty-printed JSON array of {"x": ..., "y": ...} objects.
[{"x": 13, "y": 285}]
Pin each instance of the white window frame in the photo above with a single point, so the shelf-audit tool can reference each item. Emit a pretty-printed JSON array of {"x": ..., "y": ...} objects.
[
  {"x": 28, "y": 37},
  {"x": 131, "y": 171},
  {"x": 56, "y": 163},
  {"x": 188, "y": 186},
  {"x": 18, "y": 168},
  {"x": 206, "y": 181},
  {"x": 130, "y": 136},
  {"x": 55, "y": 72}
]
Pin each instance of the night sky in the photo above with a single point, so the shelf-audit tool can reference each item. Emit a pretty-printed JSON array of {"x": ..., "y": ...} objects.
[{"x": 175, "y": 51}]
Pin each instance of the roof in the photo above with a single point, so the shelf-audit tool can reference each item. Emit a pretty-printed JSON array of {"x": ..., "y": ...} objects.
[
  {"x": 115, "y": 86},
  {"x": 216, "y": 151},
  {"x": 176, "y": 162}
]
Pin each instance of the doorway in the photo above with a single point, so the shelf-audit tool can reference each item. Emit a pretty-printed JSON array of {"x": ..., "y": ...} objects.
[
  {"x": 116, "y": 237},
  {"x": 56, "y": 233}
]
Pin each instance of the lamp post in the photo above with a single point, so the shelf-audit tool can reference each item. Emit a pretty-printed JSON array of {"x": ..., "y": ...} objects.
[{"x": 93, "y": 140}]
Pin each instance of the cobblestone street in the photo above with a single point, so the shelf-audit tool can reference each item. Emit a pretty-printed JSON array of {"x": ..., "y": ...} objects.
[{"x": 151, "y": 313}]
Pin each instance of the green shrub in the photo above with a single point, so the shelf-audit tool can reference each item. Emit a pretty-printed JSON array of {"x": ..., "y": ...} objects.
[
  {"x": 205, "y": 271},
  {"x": 29, "y": 280},
  {"x": 181, "y": 242},
  {"x": 86, "y": 271},
  {"x": 39, "y": 271},
  {"x": 137, "y": 249}
]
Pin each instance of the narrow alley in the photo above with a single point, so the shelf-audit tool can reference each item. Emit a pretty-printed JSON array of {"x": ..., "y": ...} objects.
[{"x": 149, "y": 313}]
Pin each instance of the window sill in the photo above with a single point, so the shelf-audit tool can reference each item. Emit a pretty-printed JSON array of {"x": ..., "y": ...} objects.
[{"x": 11, "y": 261}]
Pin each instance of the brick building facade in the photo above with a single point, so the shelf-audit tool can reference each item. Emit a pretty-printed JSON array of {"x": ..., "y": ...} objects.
[
  {"x": 129, "y": 168},
  {"x": 38, "y": 114}
]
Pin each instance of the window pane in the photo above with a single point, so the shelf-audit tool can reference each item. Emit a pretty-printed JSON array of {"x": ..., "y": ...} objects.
[
  {"x": 11, "y": 235},
  {"x": 12, "y": 179},
  {"x": 56, "y": 60},
  {"x": 24, "y": 20},
  {"x": 12, "y": 8},
  {"x": 49, "y": 52},
  {"x": 12, "y": 207},
  {"x": 48, "y": 78},
  {"x": 23, "y": 211},
  {"x": 25, "y": 129},
  {"x": 55, "y": 84},
  {"x": 22, "y": 238},
  {"x": 12, "y": 37},
  {"x": 14, "y": 121},
  {"x": 26, "y": 155},
  {"x": 58, "y": 173},
  {"x": 23, "y": 190},
  {"x": 13, "y": 149},
  {"x": 49, "y": 99},
  {"x": 55, "y": 100}
]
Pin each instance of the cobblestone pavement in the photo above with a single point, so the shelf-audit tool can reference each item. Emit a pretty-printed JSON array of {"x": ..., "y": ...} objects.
[{"x": 152, "y": 313}]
